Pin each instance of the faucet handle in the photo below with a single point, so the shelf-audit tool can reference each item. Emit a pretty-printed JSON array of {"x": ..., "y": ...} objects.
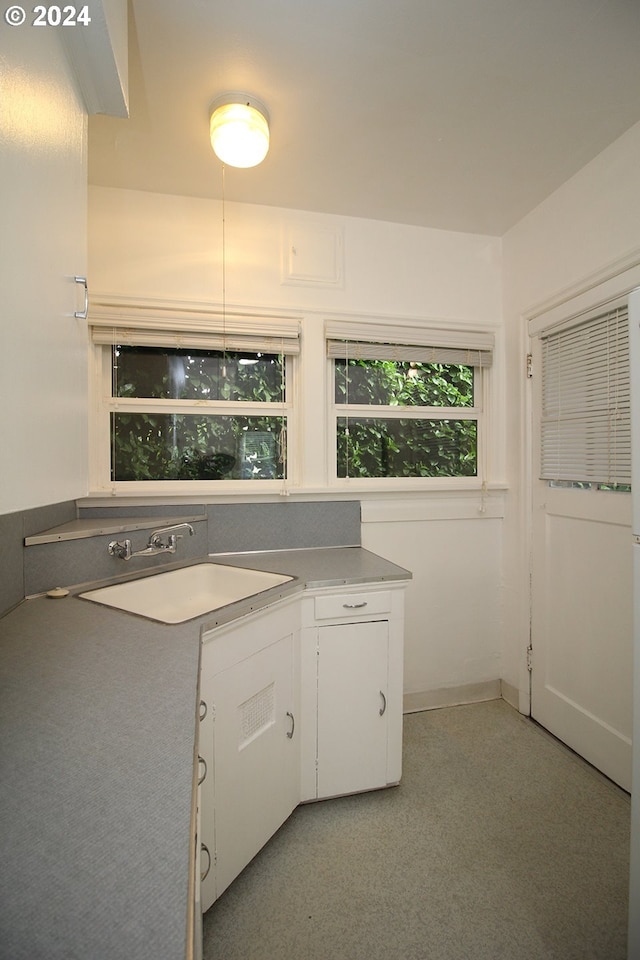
[{"x": 120, "y": 549}]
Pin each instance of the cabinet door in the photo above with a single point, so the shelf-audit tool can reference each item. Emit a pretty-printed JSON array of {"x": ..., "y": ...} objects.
[
  {"x": 352, "y": 707},
  {"x": 256, "y": 763}
]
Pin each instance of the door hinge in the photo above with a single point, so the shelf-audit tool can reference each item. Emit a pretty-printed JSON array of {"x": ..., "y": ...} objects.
[
  {"x": 529, "y": 366},
  {"x": 529, "y": 658},
  {"x": 213, "y": 712}
]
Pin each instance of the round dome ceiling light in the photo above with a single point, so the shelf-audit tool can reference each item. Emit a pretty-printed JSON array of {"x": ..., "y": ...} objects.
[{"x": 239, "y": 129}]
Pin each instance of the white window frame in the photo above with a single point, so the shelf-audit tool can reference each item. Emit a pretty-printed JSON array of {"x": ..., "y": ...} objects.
[
  {"x": 145, "y": 323},
  {"x": 431, "y": 344}
]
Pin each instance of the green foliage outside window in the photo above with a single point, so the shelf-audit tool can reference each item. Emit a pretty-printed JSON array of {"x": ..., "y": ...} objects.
[
  {"x": 205, "y": 446},
  {"x": 176, "y": 374},
  {"x": 175, "y": 444},
  {"x": 379, "y": 446},
  {"x": 179, "y": 446},
  {"x": 406, "y": 448},
  {"x": 399, "y": 383}
]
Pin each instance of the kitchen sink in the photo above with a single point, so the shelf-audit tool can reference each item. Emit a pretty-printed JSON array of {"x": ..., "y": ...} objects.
[{"x": 178, "y": 595}]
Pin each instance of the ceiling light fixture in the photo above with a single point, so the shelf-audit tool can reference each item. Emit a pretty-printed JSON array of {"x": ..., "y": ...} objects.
[{"x": 239, "y": 129}]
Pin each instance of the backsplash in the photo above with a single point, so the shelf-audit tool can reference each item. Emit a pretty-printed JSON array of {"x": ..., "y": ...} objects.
[
  {"x": 228, "y": 528},
  {"x": 237, "y": 527},
  {"x": 14, "y": 527}
]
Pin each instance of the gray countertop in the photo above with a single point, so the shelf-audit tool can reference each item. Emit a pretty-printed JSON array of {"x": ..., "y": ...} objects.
[
  {"x": 328, "y": 567},
  {"x": 98, "y": 715}
]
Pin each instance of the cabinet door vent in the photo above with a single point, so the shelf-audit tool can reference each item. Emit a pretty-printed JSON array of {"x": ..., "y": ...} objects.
[{"x": 256, "y": 714}]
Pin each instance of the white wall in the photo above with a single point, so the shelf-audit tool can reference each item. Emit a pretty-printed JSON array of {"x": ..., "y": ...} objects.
[
  {"x": 168, "y": 247},
  {"x": 452, "y": 642},
  {"x": 43, "y": 180},
  {"x": 571, "y": 240}
]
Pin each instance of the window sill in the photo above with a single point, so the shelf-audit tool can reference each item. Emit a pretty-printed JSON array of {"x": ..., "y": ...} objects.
[{"x": 464, "y": 489}]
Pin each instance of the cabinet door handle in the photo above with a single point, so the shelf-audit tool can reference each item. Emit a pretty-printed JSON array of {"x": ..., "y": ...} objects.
[
  {"x": 204, "y": 848},
  {"x": 384, "y": 704},
  {"x": 82, "y": 314},
  {"x": 203, "y": 709},
  {"x": 204, "y": 772},
  {"x": 354, "y": 606},
  {"x": 293, "y": 725}
]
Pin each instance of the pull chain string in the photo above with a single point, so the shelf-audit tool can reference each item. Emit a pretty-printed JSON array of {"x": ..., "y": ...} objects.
[
  {"x": 346, "y": 424},
  {"x": 224, "y": 282}
]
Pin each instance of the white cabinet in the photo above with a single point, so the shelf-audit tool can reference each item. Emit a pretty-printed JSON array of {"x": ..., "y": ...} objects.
[
  {"x": 249, "y": 682},
  {"x": 303, "y": 701},
  {"x": 44, "y": 212},
  {"x": 352, "y": 707},
  {"x": 351, "y": 674}
]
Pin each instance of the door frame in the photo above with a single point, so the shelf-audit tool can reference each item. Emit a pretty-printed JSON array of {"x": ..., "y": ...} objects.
[{"x": 616, "y": 279}]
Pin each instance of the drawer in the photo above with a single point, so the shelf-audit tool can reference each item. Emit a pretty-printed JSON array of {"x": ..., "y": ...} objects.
[{"x": 352, "y": 605}]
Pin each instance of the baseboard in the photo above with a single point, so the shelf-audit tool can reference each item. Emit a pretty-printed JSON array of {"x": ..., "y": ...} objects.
[
  {"x": 510, "y": 693},
  {"x": 454, "y": 696}
]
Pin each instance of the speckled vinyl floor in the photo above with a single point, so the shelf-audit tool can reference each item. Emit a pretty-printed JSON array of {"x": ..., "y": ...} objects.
[{"x": 498, "y": 843}]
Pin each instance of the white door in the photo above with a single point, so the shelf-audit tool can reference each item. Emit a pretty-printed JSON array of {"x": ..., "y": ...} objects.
[
  {"x": 352, "y": 707},
  {"x": 581, "y": 615}
]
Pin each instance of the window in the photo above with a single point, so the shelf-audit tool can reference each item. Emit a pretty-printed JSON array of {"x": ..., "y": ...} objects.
[
  {"x": 178, "y": 403},
  {"x": 240, "y": 435},
  {"x": 586, "y": 417},
  {"x": 409, "y": 409}
]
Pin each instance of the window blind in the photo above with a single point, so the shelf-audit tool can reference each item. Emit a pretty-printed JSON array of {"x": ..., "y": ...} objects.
[
  {"x": 371, "y": 341},
  {"x": 183, "y": 328},
  {"x": 586, "y": 416}
]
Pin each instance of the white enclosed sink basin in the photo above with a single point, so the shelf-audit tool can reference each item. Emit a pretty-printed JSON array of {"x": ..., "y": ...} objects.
[{"x": 179, "y": 595}]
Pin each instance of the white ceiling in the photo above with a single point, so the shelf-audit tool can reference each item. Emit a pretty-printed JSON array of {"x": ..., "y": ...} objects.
[{"x": 454, "y": 114}]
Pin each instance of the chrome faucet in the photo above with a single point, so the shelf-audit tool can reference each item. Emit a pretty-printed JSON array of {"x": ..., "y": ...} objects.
[{"x": 122, "y": 548}]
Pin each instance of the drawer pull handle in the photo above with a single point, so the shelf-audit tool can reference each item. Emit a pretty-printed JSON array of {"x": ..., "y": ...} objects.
[
  {"x": 293, "y": 725},
  {"x": 354, "y": 606},
  {"x": 204, "y": 772},
  {"x": 82, "y": 314},
  {"x": 383, "y": 708},
  {"x": 205, "y": 848},
  {"x": 203, "y": 709}
]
